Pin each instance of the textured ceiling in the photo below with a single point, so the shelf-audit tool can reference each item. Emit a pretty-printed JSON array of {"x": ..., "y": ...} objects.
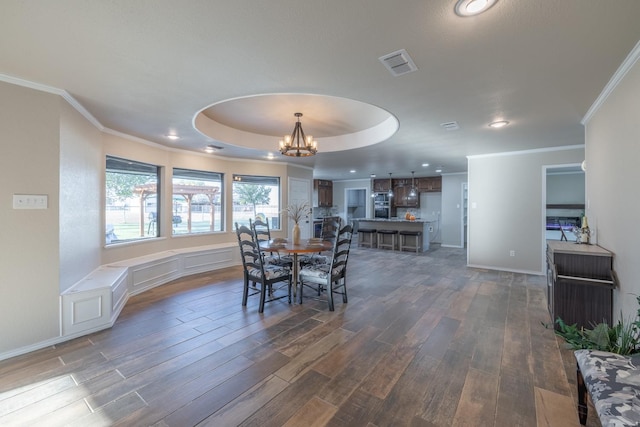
[{"x": 146, "y": 68}]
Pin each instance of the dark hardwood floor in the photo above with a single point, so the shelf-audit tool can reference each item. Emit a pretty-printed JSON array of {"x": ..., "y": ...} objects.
[{"x": 423, "y": 341}]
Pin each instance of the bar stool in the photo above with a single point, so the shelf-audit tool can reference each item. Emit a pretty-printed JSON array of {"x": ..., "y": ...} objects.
[
  {"x": 381, "y": 242},
  {"x": 364, "y": 232},
  {"x": 403, "y": 240}
]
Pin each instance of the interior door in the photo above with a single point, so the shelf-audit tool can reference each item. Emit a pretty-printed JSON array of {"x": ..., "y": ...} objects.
[{"x": 300, "y": 192}]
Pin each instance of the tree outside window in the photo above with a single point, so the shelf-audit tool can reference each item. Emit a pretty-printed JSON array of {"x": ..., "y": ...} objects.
[
  {"x": 128, "y": 201},
  {"x": 256, "y": 197}
]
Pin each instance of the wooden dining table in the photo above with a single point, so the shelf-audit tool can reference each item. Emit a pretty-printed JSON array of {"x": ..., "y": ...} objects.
[{"x": 288, "y": 247}]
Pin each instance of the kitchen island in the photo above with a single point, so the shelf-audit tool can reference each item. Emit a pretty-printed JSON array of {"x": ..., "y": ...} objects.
[{"x": 400, "y": 225}]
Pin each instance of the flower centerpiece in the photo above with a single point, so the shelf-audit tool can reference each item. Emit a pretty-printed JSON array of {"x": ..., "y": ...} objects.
[{"x": 296, "y": 213}]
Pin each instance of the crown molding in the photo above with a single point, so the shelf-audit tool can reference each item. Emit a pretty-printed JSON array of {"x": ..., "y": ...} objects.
[
  {"x": 622, "y": 71},
  {"x": 534, "y": 151}
]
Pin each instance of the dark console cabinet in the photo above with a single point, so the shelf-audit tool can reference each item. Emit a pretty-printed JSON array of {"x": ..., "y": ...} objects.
[{"x": 580, "y": 281}]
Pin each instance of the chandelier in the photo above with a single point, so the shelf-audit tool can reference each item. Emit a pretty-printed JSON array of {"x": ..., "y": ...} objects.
[{"x": 296, "y": 144}]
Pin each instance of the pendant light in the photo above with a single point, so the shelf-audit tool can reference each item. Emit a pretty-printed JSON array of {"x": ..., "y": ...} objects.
[
  {"x": 412, "y": 191},
  {"x": 390, "y": 193}
]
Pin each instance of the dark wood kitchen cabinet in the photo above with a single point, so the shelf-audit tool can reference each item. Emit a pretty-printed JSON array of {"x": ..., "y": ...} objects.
[
  {"x": 380, "y": 185},
  {"x": 401, "y": 198},
  {"x": 323, "y": 193},
  {"x": 580, "y": 283},
  {"x": 430, "y": 184}
]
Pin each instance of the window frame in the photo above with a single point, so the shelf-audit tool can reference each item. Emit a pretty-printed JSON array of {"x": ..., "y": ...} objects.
[
  {"x": 273, "y": 214},
  {"x": 196, "y": 175},
  {"x": 122, "y": 166}
]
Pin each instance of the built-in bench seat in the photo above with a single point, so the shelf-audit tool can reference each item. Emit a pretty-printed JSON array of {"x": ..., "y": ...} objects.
[
  {"x": 613, "y": 382},
  {"x": 94, "y": 302}
]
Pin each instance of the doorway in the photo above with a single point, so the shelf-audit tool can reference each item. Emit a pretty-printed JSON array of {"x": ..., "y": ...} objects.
[
  {"x": 564, "y": 189},
  {"x": 355, "y": 201}
]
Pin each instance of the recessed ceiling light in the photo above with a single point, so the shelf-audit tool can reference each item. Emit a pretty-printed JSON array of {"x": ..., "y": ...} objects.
[
  {"x": 498, "y": 124},
  {"x": 173, "y": 137},
  {"x": 352, "y": 171},
  {"x": 466, "y": 8},
  {"x": 438, "y": 170},
  {"x": 373, "y": 175},
  {"x": 425, "y": 165}
]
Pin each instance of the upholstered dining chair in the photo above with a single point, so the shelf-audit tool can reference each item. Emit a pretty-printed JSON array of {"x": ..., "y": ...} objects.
[
  {"x": 256, "y": 271},
  {"x": 328, "y": 233},
  {"x": 332, "y": 276},
  {"x": 262, "y": 233}
]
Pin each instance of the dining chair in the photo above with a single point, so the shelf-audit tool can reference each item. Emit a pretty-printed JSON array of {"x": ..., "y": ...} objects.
[
  {"x": 263, "y": 233},
  {"x": 332, "y": 276},
  {"x": 328, "y": 233},
  {"x": 258, "y": 272}
]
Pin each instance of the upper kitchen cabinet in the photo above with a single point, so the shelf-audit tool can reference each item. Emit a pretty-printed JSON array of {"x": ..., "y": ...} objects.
[
  {"x": 322, "y": 193},
  {"x": 430, "y": 184},
  {"x": 402, "y": 199},
  {"x": 380, "y": 185}
]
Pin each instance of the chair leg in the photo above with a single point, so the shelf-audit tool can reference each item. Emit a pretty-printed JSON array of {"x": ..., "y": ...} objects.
[
  {"x": 263, "y": 294},
  {"x": 245, "y": 293},
  {"x": 344, "y": 290},
  {"x": 582, "y": 398},
  {"x": 330, "y": 296},
  {"x": 301, "y": 288},
  {"x": 289, "y": 288}
]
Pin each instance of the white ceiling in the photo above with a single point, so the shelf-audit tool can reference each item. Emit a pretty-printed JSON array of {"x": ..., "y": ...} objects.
[{"x": 146, "y": 68}]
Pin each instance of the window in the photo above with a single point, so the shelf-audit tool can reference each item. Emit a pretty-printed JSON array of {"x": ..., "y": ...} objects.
[
  {"x": 131, "y": 200},
  {"x": 196, "y": 201},
  {"x": 256, "y": 196}
]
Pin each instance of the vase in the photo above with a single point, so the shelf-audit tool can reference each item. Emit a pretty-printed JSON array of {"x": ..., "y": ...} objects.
[{"x": 296, "y": 234}]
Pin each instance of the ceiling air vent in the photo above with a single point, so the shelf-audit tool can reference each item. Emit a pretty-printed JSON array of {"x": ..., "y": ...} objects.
[
  {"x": 398, "y": 62},
  {"x": 450, "y": 125}
]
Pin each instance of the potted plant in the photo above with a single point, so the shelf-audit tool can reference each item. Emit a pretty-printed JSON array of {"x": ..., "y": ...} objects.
[{"x": 622, "y": 338}]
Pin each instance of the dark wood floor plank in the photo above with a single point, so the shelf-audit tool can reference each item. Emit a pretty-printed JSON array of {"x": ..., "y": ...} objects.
[
  {"x": 478, "y": 401},
  {"x": 315, "y": 413},
  {"x": 304, "y": 360},
  {"x": 246, "y": 404},
  {"x": 441, "y": 399},
  {"x": 284, "y": 406},
  {"x": 346, "y": 380},
  {"x": 210, "y": 402},
  {"x": 358, "y": 410},
  {"x": 404, "y": 401},
  {"x": 167, "y": 395},
  {"x": 339, "y": 358},
  {"x": 514, "y": 400}
]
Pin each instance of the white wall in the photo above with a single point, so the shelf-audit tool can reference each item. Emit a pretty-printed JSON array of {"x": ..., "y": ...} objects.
[
  {"x": 451, "y": 218},
  {"x": 506, "y": 208},
  {"x": 613, "y": 176},
  {"x": 29, "y": 164},
  {"x": 81, "y": 166}
]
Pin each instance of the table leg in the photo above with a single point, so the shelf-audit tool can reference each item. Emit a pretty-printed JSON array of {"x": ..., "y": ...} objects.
[{"x": 295, "y": 275}]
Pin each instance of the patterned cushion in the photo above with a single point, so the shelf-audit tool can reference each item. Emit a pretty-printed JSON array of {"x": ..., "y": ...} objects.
[
  {"x": 613, "y": 382},
  {"x": 315, "y": 271},
  {"x": 270, "y": 271},
  {"x": 276, "y": 260}
]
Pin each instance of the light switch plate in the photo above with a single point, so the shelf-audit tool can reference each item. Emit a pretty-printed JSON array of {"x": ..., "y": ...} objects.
[{"x": 30, "y": 201}]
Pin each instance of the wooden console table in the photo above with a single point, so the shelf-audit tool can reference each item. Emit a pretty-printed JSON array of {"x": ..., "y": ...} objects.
[{"x": 580, "y": 281}]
